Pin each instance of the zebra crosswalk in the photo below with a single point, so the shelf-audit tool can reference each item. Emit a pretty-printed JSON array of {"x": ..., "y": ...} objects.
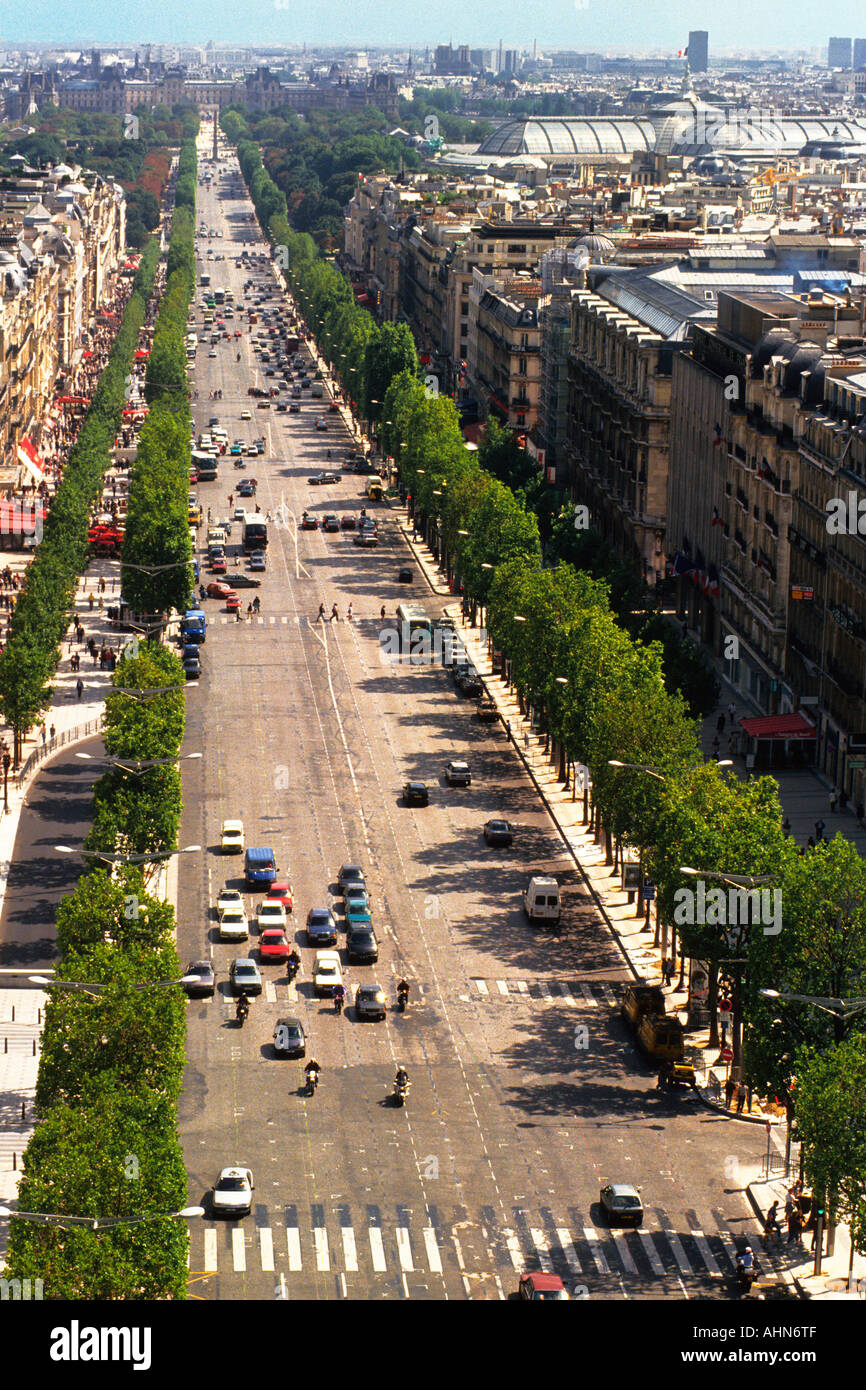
[
  {"x": 572, "y": 994},
  {"x": 423, "y": 1242}
]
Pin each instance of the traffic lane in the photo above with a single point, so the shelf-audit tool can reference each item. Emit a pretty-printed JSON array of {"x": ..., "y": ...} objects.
[{"x": 58, "y": 809}]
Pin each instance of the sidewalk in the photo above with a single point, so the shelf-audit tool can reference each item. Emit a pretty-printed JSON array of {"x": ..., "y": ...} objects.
[{"x": 801, "y": 793}]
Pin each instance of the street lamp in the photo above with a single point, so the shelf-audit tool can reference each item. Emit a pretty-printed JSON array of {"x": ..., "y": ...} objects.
[
  {"x": 139, "y": 765},
  {"x": 99, "y": 1223},
  {"x": 146, "y": 692},
  {"x": 79, "y": 986},
  {"x": 151, "y": 857}
]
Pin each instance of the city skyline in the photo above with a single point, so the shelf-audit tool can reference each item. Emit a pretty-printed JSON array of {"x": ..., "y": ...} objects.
[{"x": 580, "y": 24}]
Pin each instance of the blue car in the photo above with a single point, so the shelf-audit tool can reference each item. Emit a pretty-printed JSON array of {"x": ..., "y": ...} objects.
[
  {"x": 321, "y": 927},
  {"x": 358, "y": 915}
]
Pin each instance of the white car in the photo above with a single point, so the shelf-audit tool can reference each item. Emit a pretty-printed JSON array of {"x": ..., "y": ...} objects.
[
  {"x": 233, "y": 924},
  {"x": 229, "y": 897},
  {"x": 327, "y": 973},
  {"x": 245, "y": 415},
  {"x": 271, "y": 914},
  {"x": 233, "y": 1192},
  {"x": 232, "y": 837}
]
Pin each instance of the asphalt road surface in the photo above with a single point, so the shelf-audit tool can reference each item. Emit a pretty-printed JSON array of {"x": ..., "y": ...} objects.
[{"x": 527, "y": 1093}]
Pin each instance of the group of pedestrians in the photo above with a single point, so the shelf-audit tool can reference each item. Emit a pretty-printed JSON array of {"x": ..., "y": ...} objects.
[{"x": 335, "y": 614}]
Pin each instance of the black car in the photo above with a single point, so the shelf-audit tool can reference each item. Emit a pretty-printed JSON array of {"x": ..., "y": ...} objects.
[
  {"x": 415, "y": 794},
  {"x": 294, "y": 408},
  {"x": 362, "y": 946},
  {"x": 319, "y": 478},
  {"x": 351, "y": 873},
  {"x": 471, "y": 685},
  {"x": 498, "y": 832},
  {"x": 404, "y": 576},
  {"x": 321, "y": 927},
  {"x": 242, "y": 581},
  {"x": 205, "y": 981},
  {"x": 290, "y": 1040}
]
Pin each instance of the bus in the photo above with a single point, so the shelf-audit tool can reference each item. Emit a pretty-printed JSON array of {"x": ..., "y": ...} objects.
[
  {"x": 204, "y": 278},
  {"x": 415, "y": 630},
  {"x": 219, "y": 296},
  {"x": 205, "y": 465}
]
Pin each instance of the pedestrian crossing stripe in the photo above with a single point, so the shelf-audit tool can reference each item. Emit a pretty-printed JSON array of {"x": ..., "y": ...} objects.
[
  {"x": 552, "y": 1248},
  {"x": 573, "y": 995}
]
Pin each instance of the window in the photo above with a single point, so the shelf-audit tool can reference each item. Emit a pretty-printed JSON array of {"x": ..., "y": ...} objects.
[{"x": 521, "y": 366}]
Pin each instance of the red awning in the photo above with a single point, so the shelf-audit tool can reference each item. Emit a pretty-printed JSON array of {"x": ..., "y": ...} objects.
[
  {"x": 143, "y": 352},
  {"x": 87, "y": 353},
  {"x": 779, "y": 726}
]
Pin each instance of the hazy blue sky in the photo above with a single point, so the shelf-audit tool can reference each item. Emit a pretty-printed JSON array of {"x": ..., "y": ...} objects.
[{"x": 581, "y": 24}]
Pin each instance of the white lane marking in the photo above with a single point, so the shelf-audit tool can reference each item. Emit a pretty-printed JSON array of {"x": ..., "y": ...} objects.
[
  {"x": 239, "y": 1250},
  {"x": 266, "y": 1241},
  {"x": 350, "y": 1254},
  {"x": 522, "y": 986},
  {"x": 270, "y": 992},
  {"x": 293, "y": 1238},
  {"x": 404, "y": 1249},
  {"x": 595, "y": 1250},
  {"x": 284, "y": 619},
  {"x": 706, "y": 1253},
  {"x": 320, "y": 1241},
  {"x": 377, "y": 1249},
  {"x": 539, "y": 1240},
  {"x": 619, "y": 1241},
  {"x": 588, "y": 995},
  {"x": 434, "y": 1259},
  {"x": 676, "y": 1245},
  {"x": 567, "y": 996},
  {"x": 651, "y": 1253},
  {"x": 609, "y": 996},
  {"x": 210, "y": 1250},
  {"x": 502, "y": 986},
  {"x": 543, "y": 990},
  {"x": 481, "y": 986},
  {"x": 513, "y": 1246},
  {"x": 272, "y": 620},
  {"x": 568, "y": 1250}
]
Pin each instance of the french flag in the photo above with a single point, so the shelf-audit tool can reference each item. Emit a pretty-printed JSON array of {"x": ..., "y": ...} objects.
[
  {"x": 717, "y": 520},
  {"x": 719, "y": 439}
]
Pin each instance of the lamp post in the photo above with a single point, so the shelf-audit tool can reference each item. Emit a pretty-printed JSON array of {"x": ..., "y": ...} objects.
[
  {"x": 150, "y": 857},
  {"x": 98, "y": 1223},
  {"x": 7, "y": 763},
  {"x": 138, "y": 766},
  {"x": 739, "y": 881}
]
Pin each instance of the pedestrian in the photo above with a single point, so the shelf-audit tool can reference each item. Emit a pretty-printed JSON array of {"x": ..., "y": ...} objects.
[
  {"x": 667, "y": 971},
  {"x": 238, "y": 614},
  {"x": 334, "y": 613},
  {"x": 859, "y": 811},
  {"x": 771, "y": 1222},
  {"x": 321, "y": 613},
  {"x": 795, "y": 1226},
  {"x": 508, "y": 728},
  {"x": 732, "y": 709},
  {"x": 819, "y": 829},
  {"x": 729, "y": 1092},
  {"x": 249, "y": 612},
  {"x": 382, "y": 616},
  {"x": 349, "y": 614},
  {"x": 79, "y": 688},
  {"x": 720, "y": 723},
  {"x": 741, "y": 1097},
  {"x": 91, "y": 599},
  {"x": 52, "y": 733},
  {"x": 834, "y": 800},
  {"x": 44, "y": 736},
  {"x": 724, "y": 1026}
]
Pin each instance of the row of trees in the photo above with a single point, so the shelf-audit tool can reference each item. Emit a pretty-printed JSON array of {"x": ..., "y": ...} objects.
[
  {"x": 106, "y": 1149},
  {"x": 41, "y": 616},
  {"x": 157, "y": 547}
]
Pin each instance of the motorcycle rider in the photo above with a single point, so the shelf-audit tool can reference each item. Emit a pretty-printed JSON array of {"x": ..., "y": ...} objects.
[
  {"x": 403, "y": 992},
  {"x": 339, "y": 997},
  {"x": 401, "y": 1078},
  {"x": 293, "y": 963},
  {"x": 242, "y": 1008},
  {"x": 746, "y": 1267},
  {"x": 311, "y": 1071}
]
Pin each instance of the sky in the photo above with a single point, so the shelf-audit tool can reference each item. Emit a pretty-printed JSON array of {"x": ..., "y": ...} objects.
[{"x": 591, "y": 25}]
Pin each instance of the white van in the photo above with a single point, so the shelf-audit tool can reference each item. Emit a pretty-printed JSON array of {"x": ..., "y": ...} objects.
[{"x": 541, "y": 900}]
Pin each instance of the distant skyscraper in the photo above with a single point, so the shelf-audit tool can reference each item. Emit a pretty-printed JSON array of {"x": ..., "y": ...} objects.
[
  {"x": 859, "y": 55},
  {"x": 839, "y": 53},
  {"x": 698, "y": 48}
]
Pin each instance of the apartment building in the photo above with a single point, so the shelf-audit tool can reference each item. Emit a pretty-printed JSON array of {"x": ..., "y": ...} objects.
[{"x": 503, "y": 363}]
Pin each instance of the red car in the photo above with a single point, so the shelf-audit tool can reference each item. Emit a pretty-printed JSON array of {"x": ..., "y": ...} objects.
[
  {"x": 281, "y": 893},
  {"x": 233, "y": 603},
  {"x": 536, "y": 1287},
  {"x": 347, "y": 523},
  {"x": 218, "y": 564},
  {"x": 273, "y": 944},
  {"x": 218, "y": 589},
  {"x": 333, "y": 408}
]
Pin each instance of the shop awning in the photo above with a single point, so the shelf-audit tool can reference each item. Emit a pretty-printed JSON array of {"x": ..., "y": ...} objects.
[{"x": 778, "y": 726}]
